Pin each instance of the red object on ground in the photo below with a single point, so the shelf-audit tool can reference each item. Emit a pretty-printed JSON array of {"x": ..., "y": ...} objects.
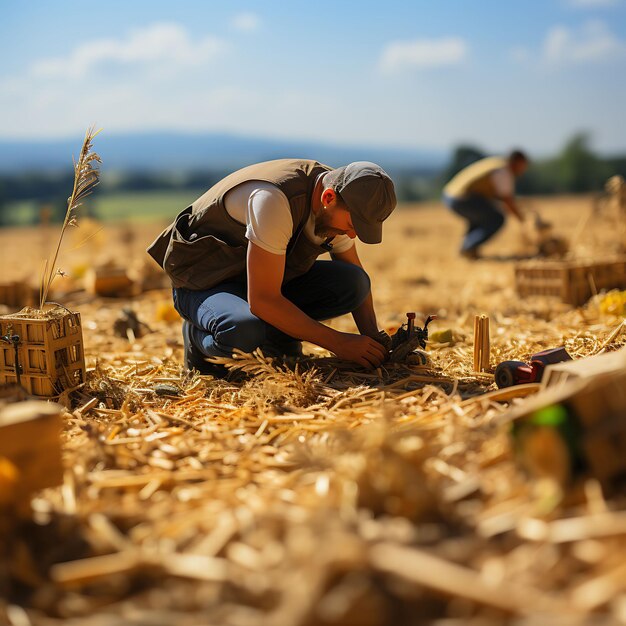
[{"x": 510, "y": 373}]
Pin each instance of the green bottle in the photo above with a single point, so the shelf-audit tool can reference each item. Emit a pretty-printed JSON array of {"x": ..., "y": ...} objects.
[{"x": 548, "y": 442}]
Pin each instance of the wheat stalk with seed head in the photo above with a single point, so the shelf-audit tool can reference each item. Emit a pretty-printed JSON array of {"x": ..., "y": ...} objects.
[{"x": 86, "y": 177}]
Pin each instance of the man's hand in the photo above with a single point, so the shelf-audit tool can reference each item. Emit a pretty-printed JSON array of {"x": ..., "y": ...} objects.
[
  {"x": 360, "y": 349},
  {"x": 383, "y": 338}
]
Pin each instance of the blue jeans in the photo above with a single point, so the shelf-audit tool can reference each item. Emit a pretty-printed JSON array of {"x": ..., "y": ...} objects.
[
  {"x": 484, "y": 219},
  {"x": 220, "y": 318}
]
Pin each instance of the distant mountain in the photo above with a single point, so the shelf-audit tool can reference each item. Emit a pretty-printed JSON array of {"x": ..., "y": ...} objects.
[{"x": 184, "y": 151}]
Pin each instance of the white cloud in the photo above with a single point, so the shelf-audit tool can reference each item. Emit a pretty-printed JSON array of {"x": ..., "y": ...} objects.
[
  {"x": 423, "y": 54},
  {"x": 593, "y": 42},
  {"x": 161, "y": 43},
  {"x": 123, "y": 106},
  {"x": 246, "y": 22},
  {"x": 592, "y": 4}
]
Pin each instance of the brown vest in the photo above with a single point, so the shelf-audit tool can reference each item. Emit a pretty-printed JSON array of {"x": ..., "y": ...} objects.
[{"x": 205, "y": 246}]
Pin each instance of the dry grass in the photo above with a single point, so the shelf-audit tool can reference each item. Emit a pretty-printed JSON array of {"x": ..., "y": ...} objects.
[
  {"x": 86, "y": 177},
  {"x": 325, "y": 494}
]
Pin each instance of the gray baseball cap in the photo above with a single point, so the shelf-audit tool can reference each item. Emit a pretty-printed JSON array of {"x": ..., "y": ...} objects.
[{"x": 369, "y": 193}]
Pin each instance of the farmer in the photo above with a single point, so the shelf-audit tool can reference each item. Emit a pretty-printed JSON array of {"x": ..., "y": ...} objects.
[
  {"x": 477, "y": 194},
  {"x": 243, "y": 261}
]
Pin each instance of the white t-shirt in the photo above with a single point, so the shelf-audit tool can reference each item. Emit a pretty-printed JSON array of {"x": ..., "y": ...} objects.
[
  {"x": 264, "y": 209},
  {"x": 504, "y": 182}
]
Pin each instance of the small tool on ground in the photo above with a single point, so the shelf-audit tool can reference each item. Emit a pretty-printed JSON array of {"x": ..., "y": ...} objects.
[
  {"x": 510, "y": 373},
  {"x": 409, "y": 337},
  {"x": 128, "y": 325}
]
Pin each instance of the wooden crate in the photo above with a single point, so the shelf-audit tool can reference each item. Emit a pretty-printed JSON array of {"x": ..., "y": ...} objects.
[
  {"x": 30, "y": 438},
  {"x": 17, "y": 295},
  {"x": 573, "y": 282},
  {"x": 50, "y": 351},
  {"x": 560, "y": 373},
  {"x": 109, "y": 281}
]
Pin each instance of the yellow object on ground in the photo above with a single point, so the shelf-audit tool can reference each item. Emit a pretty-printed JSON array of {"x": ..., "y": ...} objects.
[
  {"x": 613, "y": 303},
  {"x": 165, "y": 312},
  {"x": 441, "y": 336}
]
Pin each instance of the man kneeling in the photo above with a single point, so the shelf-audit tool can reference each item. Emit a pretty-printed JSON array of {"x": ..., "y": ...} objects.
[{"x": 243, "y": 260}]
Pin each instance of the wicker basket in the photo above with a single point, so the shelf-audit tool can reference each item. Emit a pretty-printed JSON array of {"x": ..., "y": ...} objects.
[{"x": 573, "y": 282}]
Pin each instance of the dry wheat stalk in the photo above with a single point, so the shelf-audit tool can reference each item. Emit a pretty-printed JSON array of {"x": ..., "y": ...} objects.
[{"x": 86, "y": 177}]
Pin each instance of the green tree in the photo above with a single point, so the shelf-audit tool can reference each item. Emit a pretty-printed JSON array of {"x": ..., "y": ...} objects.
[
  {"x": 578, "y": 167},
  {"x": 462, "y": 156}
]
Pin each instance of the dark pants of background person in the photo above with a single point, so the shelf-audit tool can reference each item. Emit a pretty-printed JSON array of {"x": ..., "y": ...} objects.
[
  {"x": 220, "y": 319},
  {"x": 483, "y": 217}
]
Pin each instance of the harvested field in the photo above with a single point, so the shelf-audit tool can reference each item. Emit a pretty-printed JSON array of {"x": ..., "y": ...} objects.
[{"x": 319, "y": 493}]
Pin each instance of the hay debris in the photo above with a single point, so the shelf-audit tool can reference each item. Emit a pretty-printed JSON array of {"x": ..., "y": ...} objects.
[{"x": 318, "y": 493}]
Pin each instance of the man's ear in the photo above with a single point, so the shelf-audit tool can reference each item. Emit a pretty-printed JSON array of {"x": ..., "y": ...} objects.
[{"x": 328, "y": 196}]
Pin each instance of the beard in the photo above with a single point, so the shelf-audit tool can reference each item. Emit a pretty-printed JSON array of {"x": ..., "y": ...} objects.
[{"x": 323, "y": 227}]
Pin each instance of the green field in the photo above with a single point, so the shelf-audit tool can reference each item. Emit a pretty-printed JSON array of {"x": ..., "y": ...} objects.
[
  {"x": 147, "y": 205},
  {"x": 130, "y": 206}
]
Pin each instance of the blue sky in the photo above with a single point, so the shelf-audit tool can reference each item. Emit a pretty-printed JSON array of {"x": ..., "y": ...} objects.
[{"x": 421, "y": 73}]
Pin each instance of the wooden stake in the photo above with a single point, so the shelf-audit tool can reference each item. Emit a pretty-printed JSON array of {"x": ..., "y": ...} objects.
[
  {"x": 487, "y": 345},
  {"x": 476, "y": 344},
  {"x": 481, "y": 343}
]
